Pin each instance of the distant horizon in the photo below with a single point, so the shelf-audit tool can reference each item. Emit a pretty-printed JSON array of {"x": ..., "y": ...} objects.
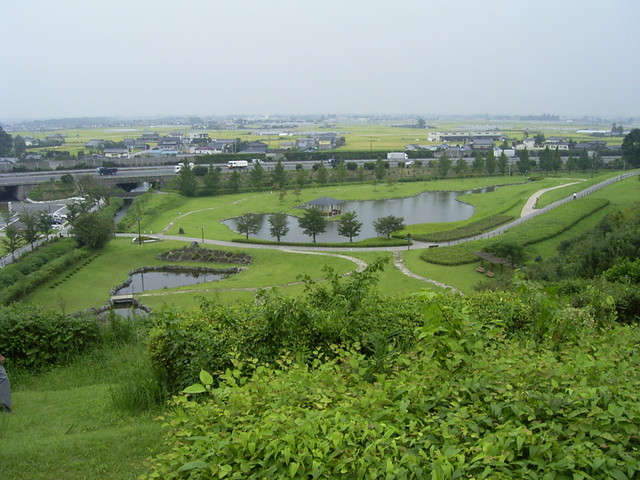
[
  {"x": 159, "y": 58},
  {"x": 283, "y": 117}
]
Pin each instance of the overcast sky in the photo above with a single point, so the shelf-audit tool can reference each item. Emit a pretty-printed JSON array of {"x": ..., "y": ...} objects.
[{"x": 78, "y": 58}]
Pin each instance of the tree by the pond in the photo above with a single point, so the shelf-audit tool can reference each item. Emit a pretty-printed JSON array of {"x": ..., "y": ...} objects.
[
  {"x": 278, "y": 225},
  {"x": 313, "y": 222},
  {"x": 348, "y": 226},
  {"x": 248, "y": 224},
  {"x": 386, "y": 226},
  {"x": 92, "y": 230}
]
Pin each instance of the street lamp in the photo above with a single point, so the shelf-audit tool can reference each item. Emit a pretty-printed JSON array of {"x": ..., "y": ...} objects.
[{"x": 139, "y": 234}]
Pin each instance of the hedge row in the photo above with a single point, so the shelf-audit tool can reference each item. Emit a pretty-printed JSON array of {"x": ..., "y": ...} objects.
[
  {"x": 28, "y": 283},
  {"x": 538, "y": 229},
  {"x": 28, "y": 264}
]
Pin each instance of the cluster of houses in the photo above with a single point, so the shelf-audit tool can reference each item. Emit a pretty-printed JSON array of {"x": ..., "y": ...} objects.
[
  {"x": 466, "y": 144},
  {"x": 199, "y": 143}
]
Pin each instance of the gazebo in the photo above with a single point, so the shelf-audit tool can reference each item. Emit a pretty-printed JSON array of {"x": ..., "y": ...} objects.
[
  {"x": 329, "y": 205},
  {"x": 492, "y": 260}
]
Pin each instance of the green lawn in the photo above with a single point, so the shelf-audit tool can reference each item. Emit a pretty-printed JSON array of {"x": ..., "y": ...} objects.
[{"x": 64, "y": 425}]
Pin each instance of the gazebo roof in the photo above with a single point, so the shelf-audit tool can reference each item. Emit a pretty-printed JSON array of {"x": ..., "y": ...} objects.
[
  {"x": 492, "y": 258},
  {"x": 324, "y": 202}
]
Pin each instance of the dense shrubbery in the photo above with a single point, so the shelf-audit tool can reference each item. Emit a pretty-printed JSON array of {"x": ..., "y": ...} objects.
[
  {"x": 602, "y": 263},
  {"x": 514, "y": 385},
  {"x": 35, "y": 339},
  {"x": 340, "y": 312}
]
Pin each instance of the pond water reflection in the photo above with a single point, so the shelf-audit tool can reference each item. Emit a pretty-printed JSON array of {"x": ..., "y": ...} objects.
[
  {"x": 157, "y": 280},
  {"x": 426, "y": 207}
]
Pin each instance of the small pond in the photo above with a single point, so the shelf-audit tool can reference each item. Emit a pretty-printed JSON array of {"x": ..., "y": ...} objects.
[
  {"x": 426, "y": 207},
  {"x": 143, "y": 281}
]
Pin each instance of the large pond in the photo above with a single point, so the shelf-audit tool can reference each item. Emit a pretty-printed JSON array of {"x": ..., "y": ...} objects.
[{"x": 426, "y": 207}]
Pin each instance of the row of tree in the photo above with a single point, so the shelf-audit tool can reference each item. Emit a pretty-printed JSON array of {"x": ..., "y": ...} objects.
[{"x": 314, "y": 222}]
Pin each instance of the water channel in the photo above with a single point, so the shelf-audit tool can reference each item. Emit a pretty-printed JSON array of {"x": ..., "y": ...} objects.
[{"x": 426, "y": 207}]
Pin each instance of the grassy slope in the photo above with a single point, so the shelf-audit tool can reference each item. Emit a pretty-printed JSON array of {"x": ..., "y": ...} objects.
[{"x": 64, "y": 425}]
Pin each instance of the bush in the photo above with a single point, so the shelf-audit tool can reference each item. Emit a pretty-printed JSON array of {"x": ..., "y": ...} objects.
[
  {"x": 509, "y": 411},
  {"x": 36, "y": 339}
]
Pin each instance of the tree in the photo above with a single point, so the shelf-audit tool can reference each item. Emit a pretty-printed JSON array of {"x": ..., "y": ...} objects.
[
  {"x": 30, "y": 231},
  {"x": 235, "y": 180},
  {"x": 322, "y": 174},
  {"x": 341, "y": 172},
  {"x": 631, "y": 147},
  {"x": 278, "y": 225},
  {"x": 379, "y": 169},
  {"x": 301, "y": 178},
  {"x": 75, "y": 209},
  {"x": 279, "y": 175},
  {"x": 386, "y": 226},
  {"x": 571, "y": 164},
  {"x": 348, "y": 226},
  {"x": 444, "y": 164},
  {"x": 491, "y": 163},
  {"x": 187, "y": 184},
  {"x": 503, "y": 163},
  {"x": 11, "y": 238},
  {"x": 524, "y": 164},
  {"x": 313, "y": 222},
  {"x": 212, "y": 181},
  {"x": 257, "y": 176},
  {"x": 248, "y": 224},
  {"x": 477, "y": 166},
  {"x": 585, "y": 162},
  {"x": 461, "y": 167},
  {"x": 545, "y": 159},
  {"x": 92, "y": 230},
  {"x": 6, "y": 143},
  {"x": 45, "y": 223}
]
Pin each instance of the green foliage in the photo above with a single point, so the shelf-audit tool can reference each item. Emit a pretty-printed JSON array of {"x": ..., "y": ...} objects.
[
  {"x": 313, "y": 222},
  {"x": 35, "y": 339},
  {"x": 92, "y": 230},
  {"x": 386, "y": 226},
  {"x": 337, "y": 311},
  {"x": 31, "y": 271},
  {"x": 466, "y": 231},
  {"x": 449, "y": 408},
  {"x": 454, "y": 255}
]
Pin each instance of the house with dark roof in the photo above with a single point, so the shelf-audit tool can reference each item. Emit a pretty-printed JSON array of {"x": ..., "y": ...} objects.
[{"x": 256, "y": 147}]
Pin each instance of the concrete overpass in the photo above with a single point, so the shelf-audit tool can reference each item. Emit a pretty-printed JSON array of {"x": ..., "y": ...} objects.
[{"x": 17, "y": 185}]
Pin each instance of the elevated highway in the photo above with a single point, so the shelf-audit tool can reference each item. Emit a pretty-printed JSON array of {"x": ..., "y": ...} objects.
[{"x": 17, "y": 185}]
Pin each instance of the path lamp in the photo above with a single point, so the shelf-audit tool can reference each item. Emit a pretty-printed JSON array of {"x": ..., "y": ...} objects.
[
  {"x": 139, "y": 234},
  {"x": 202, "y": 235}
]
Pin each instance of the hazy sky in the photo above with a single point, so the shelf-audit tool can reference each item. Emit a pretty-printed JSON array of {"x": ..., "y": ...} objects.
[{"x": 76, "y": 58}]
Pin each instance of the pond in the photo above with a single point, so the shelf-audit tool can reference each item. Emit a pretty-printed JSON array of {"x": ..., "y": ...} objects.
[
  {"x": 426, "y": 207},
  {"x": 158, "y": 280}
]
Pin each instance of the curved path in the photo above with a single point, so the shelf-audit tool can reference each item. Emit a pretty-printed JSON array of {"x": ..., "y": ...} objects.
[{"x": 528, "y": 212}]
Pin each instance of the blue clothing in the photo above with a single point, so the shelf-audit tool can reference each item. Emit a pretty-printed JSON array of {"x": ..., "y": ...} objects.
[{"x": 5, "y": 391}]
